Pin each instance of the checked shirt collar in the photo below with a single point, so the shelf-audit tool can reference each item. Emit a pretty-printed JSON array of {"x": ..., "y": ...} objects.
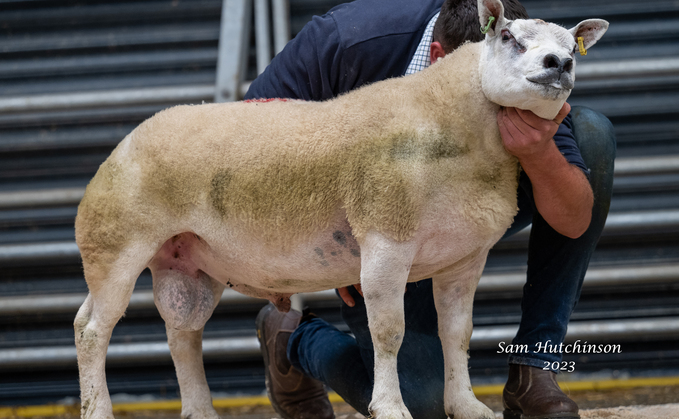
[{"x": 421, "y": 59}]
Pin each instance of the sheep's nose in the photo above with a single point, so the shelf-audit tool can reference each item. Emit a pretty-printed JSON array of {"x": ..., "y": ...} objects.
[{"x": 552, "y": 61}]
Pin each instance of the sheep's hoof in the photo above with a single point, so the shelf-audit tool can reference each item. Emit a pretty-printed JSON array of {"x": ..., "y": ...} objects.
[
  {"x": 203, "y": 414},
  {"x": 471, "y": 409},
  {"x": 389, "y": 413}
]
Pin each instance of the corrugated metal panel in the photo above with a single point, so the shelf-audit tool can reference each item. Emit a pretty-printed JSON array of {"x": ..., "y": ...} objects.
[{"x": 76, "y": 77}]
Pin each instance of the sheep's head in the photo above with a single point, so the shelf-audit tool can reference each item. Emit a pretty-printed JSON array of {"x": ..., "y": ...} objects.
[{"x": 530, "y": 64}]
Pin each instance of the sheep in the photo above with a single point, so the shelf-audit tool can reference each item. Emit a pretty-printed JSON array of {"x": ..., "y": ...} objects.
[{"x": 395, "y": 182}]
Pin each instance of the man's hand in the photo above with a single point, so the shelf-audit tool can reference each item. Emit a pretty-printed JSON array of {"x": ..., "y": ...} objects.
[
  {"x": 526, "y": 135},
  {"x": 562, "y": 193},
  {"x": 346, "y": 297}
]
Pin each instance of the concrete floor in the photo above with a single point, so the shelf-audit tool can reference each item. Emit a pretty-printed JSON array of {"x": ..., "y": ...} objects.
[{"x": 636, "y": 403}]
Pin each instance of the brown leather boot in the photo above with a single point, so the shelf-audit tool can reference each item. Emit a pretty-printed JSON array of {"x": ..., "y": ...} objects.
[
  {"x": 532, "y": 393},
  {"x": 293, "y": 394}
]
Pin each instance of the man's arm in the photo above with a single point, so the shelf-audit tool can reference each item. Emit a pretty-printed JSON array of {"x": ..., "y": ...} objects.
[{"x": 561, "y": 191}]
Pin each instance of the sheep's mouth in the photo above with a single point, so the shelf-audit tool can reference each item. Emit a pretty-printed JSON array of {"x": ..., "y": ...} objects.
[
  {"x": 550, "y": 89},
  {"x": 552, "y": 80}
]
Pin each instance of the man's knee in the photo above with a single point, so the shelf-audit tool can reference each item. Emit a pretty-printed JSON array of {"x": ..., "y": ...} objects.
[
  {"x": 594, "y": 134},
  {"x": 595, "y": 137}
]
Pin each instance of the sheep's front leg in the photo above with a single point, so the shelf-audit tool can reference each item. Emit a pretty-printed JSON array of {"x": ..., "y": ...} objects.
[
  {"x": 385, "y": 266},
  {"x": 454, "y": 297}
]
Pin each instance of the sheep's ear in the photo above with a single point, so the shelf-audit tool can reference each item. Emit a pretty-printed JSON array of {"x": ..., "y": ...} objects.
[
  {"x": 591, "y": 30},
  {"x": 494, "y": 8}
]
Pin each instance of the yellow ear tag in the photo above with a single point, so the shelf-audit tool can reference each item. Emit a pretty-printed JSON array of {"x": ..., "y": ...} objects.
[{"x": 581, "y": 46}]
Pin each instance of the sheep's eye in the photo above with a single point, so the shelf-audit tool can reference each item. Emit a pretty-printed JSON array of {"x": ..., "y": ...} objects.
[{"x": 506, "y": 35}]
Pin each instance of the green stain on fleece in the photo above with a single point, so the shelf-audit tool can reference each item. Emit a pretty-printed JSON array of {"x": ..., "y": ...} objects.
[
  {"x": 102, "y": 224},
  {"x": 219, "y": 184},
  {"x": 298, "y": 193},
  {"x": 429, "y": 146}
]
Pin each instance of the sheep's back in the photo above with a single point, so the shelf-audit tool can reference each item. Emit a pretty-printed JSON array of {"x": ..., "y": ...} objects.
[{"x": 284, "y": 168}]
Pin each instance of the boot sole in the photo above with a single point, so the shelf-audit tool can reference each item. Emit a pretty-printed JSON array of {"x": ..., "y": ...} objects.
[
  {"x": 261, "y": 336},
  {"x": 513, "y": 414}
]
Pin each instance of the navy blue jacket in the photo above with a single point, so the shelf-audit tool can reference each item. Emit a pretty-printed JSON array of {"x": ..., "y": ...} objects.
[{"x": 358, "y": 43}]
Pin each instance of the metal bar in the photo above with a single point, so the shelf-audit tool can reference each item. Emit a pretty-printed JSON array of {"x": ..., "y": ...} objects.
[
  {"x": 297, "y": 302},
  {"x": 106, "y": 13},
  {"x": 634, "y": 104},
  {"x": 146, "y": 352},
  {"x": 262, "y": 34},
  {"x": 30, "y": 253},
  {"x": 70, "y": 303},
  {"x": 595, "y": 277},
  {"x": 175, "y": 94},
  {"x": 234, "y": 38},
  {"x": 244, "y": 347},
  {"x": 639, "y": 221},
  {"x": 646, "y": 165},
  {"x": 52, "y": 356},
  {"x": 43, "y": 197},
  {"x": 103, "y": 38},
  {"x": 97, "y": 63},
  {"x": 63, "y": 138},
  {"x": 493, "y": 282},
  {"x": 45, "y": 304},
  {"x": 80, "y": 116},
  {"x": 620, "y": 223},
  {"x": 320, "y": 296},
  {"x": 235, "y": 348},
  {"x": 642, "y": 29},
  {"x": 281, "y": 24},
  {"x": 552, "y": 11},
  {"x": 628, "y": 68}
]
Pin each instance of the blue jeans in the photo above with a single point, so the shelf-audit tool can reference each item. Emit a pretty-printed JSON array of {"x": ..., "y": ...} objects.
[{"x": 556, "y": 269}]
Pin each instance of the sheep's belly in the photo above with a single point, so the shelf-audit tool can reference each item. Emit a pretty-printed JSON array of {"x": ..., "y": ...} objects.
[{"x": 328, "y": 259}]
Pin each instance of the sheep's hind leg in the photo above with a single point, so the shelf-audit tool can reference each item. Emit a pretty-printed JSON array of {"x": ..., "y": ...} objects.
[
  {"x": 110, "y": 287},
  {"x": 385, "y": 266},
  {"x": 186, "y": 302},
  {"x": 454, "y": 297}
]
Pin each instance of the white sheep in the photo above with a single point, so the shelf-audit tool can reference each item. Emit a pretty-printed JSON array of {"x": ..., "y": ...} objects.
[{"x": 396, "y": 182}]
